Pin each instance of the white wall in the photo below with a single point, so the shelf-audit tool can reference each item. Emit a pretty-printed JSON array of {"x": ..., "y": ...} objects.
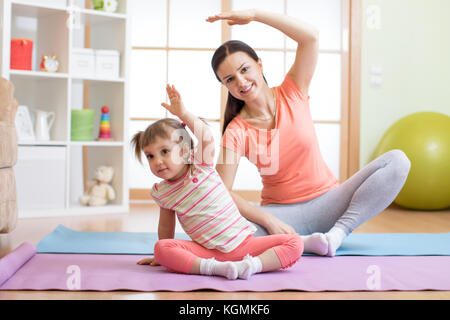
[{"x": 412, "y": 47}]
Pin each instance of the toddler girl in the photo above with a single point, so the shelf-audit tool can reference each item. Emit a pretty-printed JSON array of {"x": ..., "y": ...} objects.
[{"x": 192, "y": 190}]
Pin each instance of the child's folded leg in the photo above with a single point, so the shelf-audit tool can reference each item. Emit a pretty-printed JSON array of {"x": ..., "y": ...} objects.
[
  {"x": 191, "y": 258},
  {"x": 269, "y": 253},
  {"x": 261, "y": 254},
  {"x": 178, "y": 255}
]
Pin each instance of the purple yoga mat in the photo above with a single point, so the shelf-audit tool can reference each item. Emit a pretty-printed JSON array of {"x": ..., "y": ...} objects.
[
  {"x": 15, "y": 260},
  {"x": 120, "y": 272}
]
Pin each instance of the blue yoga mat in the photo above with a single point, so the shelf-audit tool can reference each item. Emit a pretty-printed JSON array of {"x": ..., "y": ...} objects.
[
  {"x": 65, "y": 240},
  {"x": 396, "y": 244}
]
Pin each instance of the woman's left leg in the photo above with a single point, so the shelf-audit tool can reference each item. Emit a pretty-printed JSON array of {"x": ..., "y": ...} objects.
[
  {"x": 342, "y": 209},
  {"x": 370, "y": 197}
]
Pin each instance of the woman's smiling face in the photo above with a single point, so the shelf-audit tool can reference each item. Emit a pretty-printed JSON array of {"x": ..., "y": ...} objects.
[{"x": 242, "y": 75}]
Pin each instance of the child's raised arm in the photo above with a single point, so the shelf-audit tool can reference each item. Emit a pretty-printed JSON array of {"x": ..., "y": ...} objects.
[{"x": 200, "y": 129}]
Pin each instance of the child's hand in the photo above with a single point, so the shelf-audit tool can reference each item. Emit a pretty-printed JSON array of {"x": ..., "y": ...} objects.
[
  {"x": 151, "y": 261},
  {"x": 176, "y": 106}
]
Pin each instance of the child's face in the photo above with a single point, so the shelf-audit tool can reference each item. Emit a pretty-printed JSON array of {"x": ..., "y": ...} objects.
[{"x": 165, "y": 158}]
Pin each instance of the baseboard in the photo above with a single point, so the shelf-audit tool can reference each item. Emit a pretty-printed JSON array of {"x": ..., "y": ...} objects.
[{"x": 144, "y": 194}]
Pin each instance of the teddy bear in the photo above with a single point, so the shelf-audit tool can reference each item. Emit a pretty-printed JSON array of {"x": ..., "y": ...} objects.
[
  {"x": 8, "y": 157},
  {"x": 99, "y": 192}
]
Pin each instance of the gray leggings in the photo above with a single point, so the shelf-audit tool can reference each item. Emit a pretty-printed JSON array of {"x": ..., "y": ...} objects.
[{"x": 360, "y": 198}]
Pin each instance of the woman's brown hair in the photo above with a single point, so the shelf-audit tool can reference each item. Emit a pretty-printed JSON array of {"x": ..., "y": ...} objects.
[{"x": 234, "y": 106}]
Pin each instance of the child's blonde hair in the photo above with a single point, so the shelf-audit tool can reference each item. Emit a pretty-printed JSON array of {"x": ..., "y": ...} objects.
[{"x": 161, "y": 129}]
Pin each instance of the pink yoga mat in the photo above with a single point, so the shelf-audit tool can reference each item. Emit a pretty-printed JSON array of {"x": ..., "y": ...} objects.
[{"x": 23, "y": 269}]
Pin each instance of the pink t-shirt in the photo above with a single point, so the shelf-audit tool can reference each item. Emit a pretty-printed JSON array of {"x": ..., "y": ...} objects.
[{"x": 287, "y": 157}]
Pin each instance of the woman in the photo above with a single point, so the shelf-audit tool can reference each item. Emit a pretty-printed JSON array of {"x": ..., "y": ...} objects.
[{"x": 273, "y": 128}]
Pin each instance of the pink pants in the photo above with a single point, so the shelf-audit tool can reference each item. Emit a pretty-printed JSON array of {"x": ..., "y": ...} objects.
[{"x": 179, "y": 255}]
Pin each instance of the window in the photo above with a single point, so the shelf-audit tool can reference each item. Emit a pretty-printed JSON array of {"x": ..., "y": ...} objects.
[{"x": 172, "y": 43}]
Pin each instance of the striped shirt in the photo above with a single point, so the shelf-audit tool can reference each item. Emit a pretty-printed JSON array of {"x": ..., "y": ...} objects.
[{"x": 204, "y": 208}]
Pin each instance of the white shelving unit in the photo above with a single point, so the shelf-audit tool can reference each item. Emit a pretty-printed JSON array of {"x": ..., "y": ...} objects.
[{"x": 44, "y": 168}]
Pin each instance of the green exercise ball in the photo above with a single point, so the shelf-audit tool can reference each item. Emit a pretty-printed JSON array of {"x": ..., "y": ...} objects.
[{"x": 425, "y": 138}]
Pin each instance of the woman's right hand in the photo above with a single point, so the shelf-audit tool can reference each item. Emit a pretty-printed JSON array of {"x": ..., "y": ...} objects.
[
  {"x": 276, "y": 226},
  {"x": 234, "y": 17}
]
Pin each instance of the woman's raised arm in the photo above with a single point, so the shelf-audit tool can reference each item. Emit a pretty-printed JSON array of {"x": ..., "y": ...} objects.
[{"x": 306, "y": 35}]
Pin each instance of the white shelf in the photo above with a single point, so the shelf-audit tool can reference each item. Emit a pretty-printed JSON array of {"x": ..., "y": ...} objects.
[
  {"x": 38, "y": 74},
  {"x": 117, "y": 80},
  {"x": 42, "y": 143},
  {"x": 35, "y": 9},
  {"x": 73, "y": 143},
  {"x": 45, "y": 22},
  {"x": 42, "y": 74},
  {"x": 75, "y": 210},
  {"x": 97, "y": 16},
  {"x": 97, "y": 143}
]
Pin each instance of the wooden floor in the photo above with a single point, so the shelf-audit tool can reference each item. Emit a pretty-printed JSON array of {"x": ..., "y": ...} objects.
[{"x": 144, "y": 217}]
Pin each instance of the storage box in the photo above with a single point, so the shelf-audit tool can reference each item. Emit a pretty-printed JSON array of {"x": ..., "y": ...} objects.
[
  {"x": 21, "y": 54},
  {"x": 41, "y": 177},
  {"x": 107, "y": 63},
  {"x": 83, "y": 62}
]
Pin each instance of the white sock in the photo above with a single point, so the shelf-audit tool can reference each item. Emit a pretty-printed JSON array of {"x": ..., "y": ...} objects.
[
  {"x": 316, "y": 243},
  {"x": 211, "y": 267},
  {"x": 248, "y": 267},
  {"x": 334, "y": 237}
]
